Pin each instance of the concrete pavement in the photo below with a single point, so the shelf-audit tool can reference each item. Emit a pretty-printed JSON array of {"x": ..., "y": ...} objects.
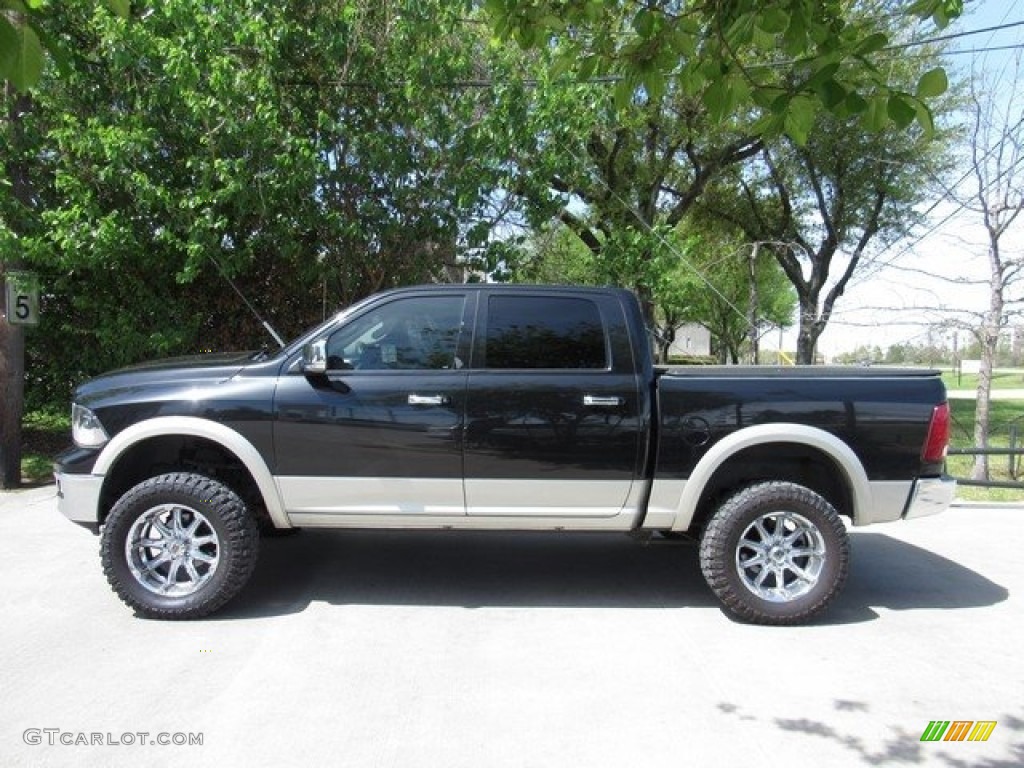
[{"x": 451, "y": 649}]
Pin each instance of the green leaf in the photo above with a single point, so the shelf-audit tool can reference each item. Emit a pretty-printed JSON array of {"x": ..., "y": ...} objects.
[
  {"x": 552, "y": 23},
  {"x": 872, "y": 43},
  {"x": 855, "y": 103},
  {"x": 10, "y": 41},
  {"x": 773, "y": 21},
  {"x": 716, "y": 98},
  {"x": 781, "y": 103},
  {"x": 560, "y": 66},
  {"x": 623, "y": 93},
  {"x": 588, "y": 68},
  {"x": 900, "y": 111},
  {"x": 799, "y": 119},
  {"x": 120, "y": 7},
  {"x": 925, "y": 119},
  {"x": 876, "y": 116},
  {"x": 27, "y": 65},
  {"x": 643, "y": 23},
  {"x": 741, "y": 30},
  {"x": 764, "y": 96},
  {"x": 654, "y": 84},
  {"x": 932, "y": 83},
  {"x": 795, "y": 38},
  {"x": 824, "y": 73},
  {"x": 832, "y": 94}
]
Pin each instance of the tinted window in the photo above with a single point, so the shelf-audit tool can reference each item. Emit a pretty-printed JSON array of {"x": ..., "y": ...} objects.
[
  {"x": 417, "y": 333},
  {"x": 544, "y": 332}
]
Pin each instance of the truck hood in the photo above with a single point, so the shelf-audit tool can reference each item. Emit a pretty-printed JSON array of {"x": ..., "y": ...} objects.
[{"x": 174, "y": 372}]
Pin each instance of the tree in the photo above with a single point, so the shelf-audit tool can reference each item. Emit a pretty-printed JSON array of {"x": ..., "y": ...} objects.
[
  {"x": 733, "y": 292},
  {"x": 702, "y": 279},
  {"x": 827, "y": 205},
  {"x": 23, "y": 43},
  {"x": 314, "y": 152},
  {"x": 818, "y": 54},
  {"x": 645, "y": 158},
  {"x": 622, "y": 181},
  {"x": 996, "y": 150}
]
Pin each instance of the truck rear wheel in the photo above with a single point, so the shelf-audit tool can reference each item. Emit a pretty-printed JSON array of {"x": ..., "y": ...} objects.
[
  {"x": 179, "y": 546},
  {"x": 775, "y": 553}
]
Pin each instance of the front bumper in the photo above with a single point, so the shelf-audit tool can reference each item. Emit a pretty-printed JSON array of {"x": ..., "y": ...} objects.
[
  {"x": 78, "y": 498},
  {"x": 930, "y": 496}
]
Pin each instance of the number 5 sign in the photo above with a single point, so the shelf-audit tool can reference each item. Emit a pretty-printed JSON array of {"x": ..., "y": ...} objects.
[{"x": 22, "y": 298}]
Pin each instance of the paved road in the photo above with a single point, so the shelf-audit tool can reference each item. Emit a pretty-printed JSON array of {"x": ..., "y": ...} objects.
[{"x": 482, "y": 650}]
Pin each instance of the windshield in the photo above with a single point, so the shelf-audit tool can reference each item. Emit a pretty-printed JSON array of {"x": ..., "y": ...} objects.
[{"x": 296, "y": 344}]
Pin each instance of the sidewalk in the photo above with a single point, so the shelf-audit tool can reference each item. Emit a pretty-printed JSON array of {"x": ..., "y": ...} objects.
[{"x": 997, "y": 394}]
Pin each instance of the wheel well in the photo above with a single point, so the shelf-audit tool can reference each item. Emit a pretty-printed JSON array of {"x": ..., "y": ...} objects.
[
  {"x": 788, "y": 462},
  {"x": 180, "y": 453}
]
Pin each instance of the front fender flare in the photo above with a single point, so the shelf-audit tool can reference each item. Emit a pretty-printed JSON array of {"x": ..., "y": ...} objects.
[{"x": 229, "y": 439}]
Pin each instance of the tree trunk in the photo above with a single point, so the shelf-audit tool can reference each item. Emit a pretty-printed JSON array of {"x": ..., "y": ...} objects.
[
  {"x": 810, "y": 330},
  {"x": 989, "y": 338},
  {"x": 12, "y": 393},
  {"x": 666, "y": 337},
  {"x": 12, "y": 337}
]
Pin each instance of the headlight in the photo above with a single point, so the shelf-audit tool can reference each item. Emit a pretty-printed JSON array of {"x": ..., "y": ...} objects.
[{"x": 86, "y": 429}]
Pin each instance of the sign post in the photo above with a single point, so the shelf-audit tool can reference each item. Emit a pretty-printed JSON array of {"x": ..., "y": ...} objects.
[{"x": 22, "y": 298}]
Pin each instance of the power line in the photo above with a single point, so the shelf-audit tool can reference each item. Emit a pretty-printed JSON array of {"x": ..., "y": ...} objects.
[
  {"x": 953, "y": 36},
  {"x": 948, "y": 196},
  {"x": 534, "y": 82},
  {"x": 972, "y": 51},
  {"x": 959, "y": 207}
]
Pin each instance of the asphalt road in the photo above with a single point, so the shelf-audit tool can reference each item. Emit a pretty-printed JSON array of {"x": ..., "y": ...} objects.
[{"x": 482, "y": 650}]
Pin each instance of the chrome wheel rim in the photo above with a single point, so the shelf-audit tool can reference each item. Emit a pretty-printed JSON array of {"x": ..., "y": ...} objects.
[
  {"x": 780, "y": 556},
  {"x": 172, "y": 550}
]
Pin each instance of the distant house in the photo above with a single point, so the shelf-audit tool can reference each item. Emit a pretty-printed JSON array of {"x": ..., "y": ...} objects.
[{"x": 691, "y": 339}]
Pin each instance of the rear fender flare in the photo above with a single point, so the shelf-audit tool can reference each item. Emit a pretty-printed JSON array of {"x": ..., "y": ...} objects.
[{"x": 842, "y": 455}]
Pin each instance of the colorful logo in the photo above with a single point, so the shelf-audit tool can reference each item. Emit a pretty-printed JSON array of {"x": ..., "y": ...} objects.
[{"x": 958, "y": 730}]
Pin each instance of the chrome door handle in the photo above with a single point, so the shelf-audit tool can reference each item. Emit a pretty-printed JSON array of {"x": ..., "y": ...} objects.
[
  {"x": 601, "y": 401},
  {"x": 428, "y": 399}
]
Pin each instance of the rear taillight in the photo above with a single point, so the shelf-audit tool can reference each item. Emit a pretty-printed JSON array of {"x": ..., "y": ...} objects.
[{"x": 938, "y": 436}]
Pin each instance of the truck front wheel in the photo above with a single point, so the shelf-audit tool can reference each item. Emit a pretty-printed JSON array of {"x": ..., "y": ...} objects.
[
  {"x": 775, "y": 553},
  {"x": 178, "y": 546}
]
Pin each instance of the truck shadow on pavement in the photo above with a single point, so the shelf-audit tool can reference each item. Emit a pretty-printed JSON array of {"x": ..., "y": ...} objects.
[{"x": 484, "y": 569}]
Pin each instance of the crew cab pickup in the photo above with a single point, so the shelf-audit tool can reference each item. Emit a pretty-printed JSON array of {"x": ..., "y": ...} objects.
[{"x": 496, "y": 407}]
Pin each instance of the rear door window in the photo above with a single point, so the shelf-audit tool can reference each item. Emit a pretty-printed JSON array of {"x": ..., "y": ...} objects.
[{"x": 552, "y": 332}]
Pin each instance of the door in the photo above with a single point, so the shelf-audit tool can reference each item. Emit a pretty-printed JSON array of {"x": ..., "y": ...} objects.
[
  {"x": 553, "y": 422},
  {"x": 380, "y": 432}
]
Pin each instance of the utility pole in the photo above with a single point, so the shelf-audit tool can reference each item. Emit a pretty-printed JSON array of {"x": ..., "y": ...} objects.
[{"x": 752, "y": 305}]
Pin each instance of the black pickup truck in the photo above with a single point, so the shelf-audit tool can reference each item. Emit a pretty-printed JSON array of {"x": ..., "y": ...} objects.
[{"x": 496, "y": 407}]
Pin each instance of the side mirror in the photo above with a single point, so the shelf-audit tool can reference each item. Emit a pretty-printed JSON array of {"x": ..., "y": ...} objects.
[{"x": 314, "y": 357}]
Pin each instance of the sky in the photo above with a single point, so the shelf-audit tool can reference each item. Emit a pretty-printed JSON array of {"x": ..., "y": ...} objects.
[{"x": 934, "y": 276}]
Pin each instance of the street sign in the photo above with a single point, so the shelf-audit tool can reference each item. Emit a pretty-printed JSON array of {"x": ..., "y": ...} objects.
[{"x": 22, "y": 289}]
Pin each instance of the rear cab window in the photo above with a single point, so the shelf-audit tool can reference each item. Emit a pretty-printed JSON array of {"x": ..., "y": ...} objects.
[{"x": 544, "y": 332}]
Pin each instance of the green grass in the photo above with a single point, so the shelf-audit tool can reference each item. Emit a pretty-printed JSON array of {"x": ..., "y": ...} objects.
[
  {"x": 1001, "y": 379},
  {"x": 1004, "y": 415},
  {"x": 36, "y": 468},
  {"x": 44, "y": 434}
]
